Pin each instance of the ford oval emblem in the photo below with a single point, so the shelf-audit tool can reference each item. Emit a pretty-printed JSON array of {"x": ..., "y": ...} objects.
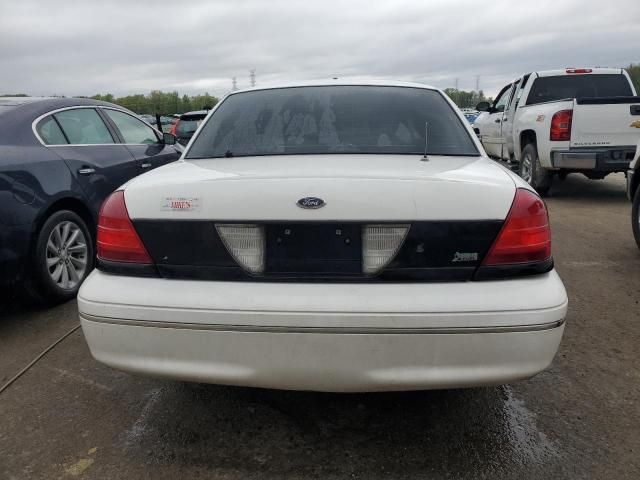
[{"x": 311, "y": 202}]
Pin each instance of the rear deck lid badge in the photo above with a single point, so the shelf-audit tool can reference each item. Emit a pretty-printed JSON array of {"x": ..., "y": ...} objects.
[
  {"x": 311, "y": 202},
  {"x": 465, "y": 257}
]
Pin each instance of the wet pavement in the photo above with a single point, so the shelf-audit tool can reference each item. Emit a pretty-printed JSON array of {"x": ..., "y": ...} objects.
[{"x": 69, "y": 417}]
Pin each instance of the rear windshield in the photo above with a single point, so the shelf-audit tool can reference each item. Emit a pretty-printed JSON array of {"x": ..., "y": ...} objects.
[
  {"x": 188, "y": 126},
  {"x": 549, "y": 89},
  {"x": 333, "y": 119}
]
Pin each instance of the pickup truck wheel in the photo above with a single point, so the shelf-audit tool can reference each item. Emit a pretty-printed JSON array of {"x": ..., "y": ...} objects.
[
  {"x": 532, "y": 172},
  {"x": 635, "y": 217}
]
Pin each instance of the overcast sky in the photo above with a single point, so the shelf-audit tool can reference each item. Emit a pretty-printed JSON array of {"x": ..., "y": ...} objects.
[{"x": 133, "y": 46}]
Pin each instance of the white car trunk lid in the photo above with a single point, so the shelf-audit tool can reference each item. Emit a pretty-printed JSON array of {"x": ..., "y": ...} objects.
[{"x": 353, "y": 187}]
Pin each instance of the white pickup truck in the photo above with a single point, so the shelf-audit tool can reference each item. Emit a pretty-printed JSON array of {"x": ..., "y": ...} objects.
[{"x": 584, "y": 120}]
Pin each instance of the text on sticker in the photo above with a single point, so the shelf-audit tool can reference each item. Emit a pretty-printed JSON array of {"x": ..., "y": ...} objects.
[{"x": 181, "y": 204}]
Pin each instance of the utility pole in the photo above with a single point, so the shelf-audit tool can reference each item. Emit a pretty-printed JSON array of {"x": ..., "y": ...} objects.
[
  {"x": 456, "y": 83},
  {"x": 234, "y": 82},
  {"x": 477, "y": 83},
  {"x": 252, "y": 77}
]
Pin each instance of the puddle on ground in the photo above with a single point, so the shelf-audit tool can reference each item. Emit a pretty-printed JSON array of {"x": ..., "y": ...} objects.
[{"x": 474, "y": 433}]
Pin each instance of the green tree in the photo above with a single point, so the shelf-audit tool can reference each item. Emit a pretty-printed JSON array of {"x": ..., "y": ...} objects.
[
  {"x": 157, "y": 101},
  {"x": 105, "y": 98},
  {"x": 200, "y": 102},
  {"x": 185, "y": 104},
  {"x": 466, "y": 99}
]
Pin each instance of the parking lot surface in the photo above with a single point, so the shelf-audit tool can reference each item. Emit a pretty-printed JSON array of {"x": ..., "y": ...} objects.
[{"x": 69, "y": 416}]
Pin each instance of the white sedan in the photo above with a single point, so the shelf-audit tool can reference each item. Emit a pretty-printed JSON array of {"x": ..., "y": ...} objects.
[{"x": 330, "y": 236}]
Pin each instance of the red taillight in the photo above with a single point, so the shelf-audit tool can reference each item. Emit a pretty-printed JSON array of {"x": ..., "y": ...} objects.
[
  {"x": 117, "y": 239},
  {"x": 525, "y": 236},
  {"x": 561, "y": 125},
  {"x": 579, "y": 70}
]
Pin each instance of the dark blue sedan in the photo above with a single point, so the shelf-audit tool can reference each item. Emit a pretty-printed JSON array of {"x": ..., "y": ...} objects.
[{"x": 59, "y": 159}]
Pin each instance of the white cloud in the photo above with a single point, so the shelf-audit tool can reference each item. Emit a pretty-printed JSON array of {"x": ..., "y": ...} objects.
[{"x": 122, "y": 47}]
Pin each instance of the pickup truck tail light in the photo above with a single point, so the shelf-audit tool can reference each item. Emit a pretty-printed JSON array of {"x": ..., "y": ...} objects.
[
  {"x": 525, "y": 236},
  {"x": 245, "y": 243},
  {"x": 118, "y": 241},
  {"x": 579, "y": 70},
  {"x": 561, "y": 126}
]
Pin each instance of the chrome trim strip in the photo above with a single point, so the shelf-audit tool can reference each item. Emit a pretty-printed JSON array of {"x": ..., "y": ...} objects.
[
  {"x": 320, "y": 312},
  {"x": 329, "y": 330},
  {"x": 95, "y": 107}
]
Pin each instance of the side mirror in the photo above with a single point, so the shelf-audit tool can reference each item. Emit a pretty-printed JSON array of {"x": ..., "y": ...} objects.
[
  {"x": 483, "y": 106},
  {"x": 168, "y": 138}
]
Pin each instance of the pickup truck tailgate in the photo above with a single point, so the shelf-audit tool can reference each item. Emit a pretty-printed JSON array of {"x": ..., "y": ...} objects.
[{"x": 605, "y": 121}]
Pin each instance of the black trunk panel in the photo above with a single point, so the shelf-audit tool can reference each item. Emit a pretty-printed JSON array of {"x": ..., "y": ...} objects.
[
  {"x": 432, "y": 251},
  {"x": 322, "y": 248}
]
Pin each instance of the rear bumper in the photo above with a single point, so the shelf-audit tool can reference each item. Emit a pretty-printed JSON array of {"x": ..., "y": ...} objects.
[
  {"x": 323, "y": 361},
  {"x": 348, "y": 338},
  {"x": 615, "y": 159}
]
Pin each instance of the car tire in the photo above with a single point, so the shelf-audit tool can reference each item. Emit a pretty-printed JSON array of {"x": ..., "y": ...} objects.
[
  {"x": 532, "y": 171},
  {"x": 635, "y": 217},
  {"x": 62, "y": 257}
]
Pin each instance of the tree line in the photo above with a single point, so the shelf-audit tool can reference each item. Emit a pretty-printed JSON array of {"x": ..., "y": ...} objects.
[
  {"x": 171, "y": 102},
  {"x": 164, "y": 103},
  {"x": 466, "y": 99}
]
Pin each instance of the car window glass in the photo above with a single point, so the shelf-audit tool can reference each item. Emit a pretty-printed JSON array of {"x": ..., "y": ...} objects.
[
  {"x": 550, "y": 89},
  {"x": 133, "y": 130},
  {"x": 520, "y": 90},
  {"x": 50, "y": 132},
  {"x": 83, "y": 126},
  {"x": 514, "y": 95},
  {"x": 333, "y": 119},
  {"x": 501, "y": 101},
  {"x": 186, "y": 127}
]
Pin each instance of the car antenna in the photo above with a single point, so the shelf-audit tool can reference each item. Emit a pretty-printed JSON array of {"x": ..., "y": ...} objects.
[{"x": 426, "y": 142}]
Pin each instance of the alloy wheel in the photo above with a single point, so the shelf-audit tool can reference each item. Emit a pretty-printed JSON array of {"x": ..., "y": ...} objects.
[
  {"x": 526, "y": 169},
  {"x": 67, "y": 255}
]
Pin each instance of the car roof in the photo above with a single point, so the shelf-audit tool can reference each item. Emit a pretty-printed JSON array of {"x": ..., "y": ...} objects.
[
  {"x": 23, "y": 111},
  {"x": 36, "y": 106},
  {"x": 332, "y": 82},
  {"x": 20, "y": 100},
  {"x": 195, "y": 113},
  {"x": 563, "y": 71}
]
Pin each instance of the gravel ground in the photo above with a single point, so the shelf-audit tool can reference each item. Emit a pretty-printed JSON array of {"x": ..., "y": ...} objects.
[{"x": 71, "y": 417}]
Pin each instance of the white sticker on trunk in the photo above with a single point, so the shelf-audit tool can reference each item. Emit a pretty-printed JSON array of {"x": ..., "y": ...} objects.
[{"x": 180, "y": 204}]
